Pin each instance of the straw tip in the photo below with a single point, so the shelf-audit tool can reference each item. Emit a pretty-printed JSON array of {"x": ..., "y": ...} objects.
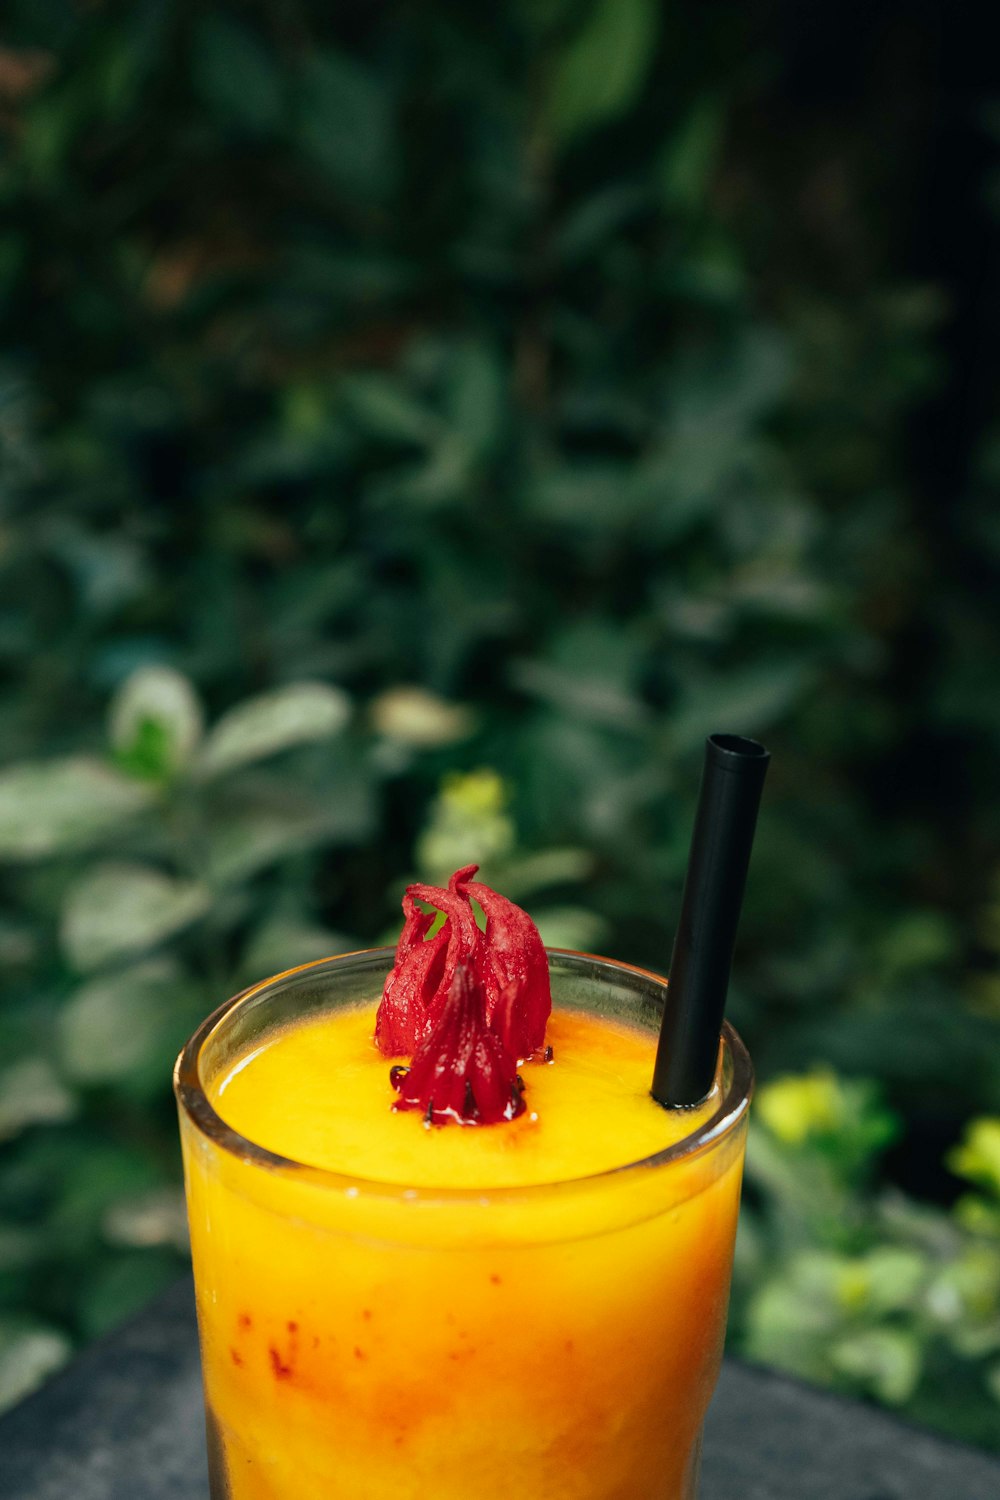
[{"x": 734, "y": 752}]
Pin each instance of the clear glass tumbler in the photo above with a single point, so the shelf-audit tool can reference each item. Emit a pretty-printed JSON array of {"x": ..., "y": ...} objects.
[{"x": 374, "y": 1340}]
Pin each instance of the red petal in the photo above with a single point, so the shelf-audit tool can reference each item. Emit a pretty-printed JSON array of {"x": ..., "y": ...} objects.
[
  {"x": 421, "y": 977},
  {"x": 504, "y": 1022},
  {"x": 507, "y": 973},
  {"x": 412, "y": 984},
  {"x": 513, "y": 952},
  {"x": 462, "y": 1071}
]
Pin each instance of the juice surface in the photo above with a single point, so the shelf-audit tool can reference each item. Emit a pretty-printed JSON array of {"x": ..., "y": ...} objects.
[
  {"x": 320, "y": 1094},
  {"x": 560, "y": 1344}
]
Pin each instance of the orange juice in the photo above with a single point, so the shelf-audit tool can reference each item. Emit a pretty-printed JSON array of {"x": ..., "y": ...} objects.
[{"x": 394, "y": 1310}]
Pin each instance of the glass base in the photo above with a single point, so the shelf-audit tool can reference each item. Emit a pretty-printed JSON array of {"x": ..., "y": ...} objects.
[
  {"x": 220, "y": 1489},
  {"x": 693, "y": 1474},
  {"x": 218, "y": 1478}
]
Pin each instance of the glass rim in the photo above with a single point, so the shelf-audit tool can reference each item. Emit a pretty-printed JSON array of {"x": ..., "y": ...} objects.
[{"x": 195, "y": 1104}]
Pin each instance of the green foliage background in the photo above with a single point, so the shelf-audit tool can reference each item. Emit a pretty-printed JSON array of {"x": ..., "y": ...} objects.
[{"x": 461, "y": 411}]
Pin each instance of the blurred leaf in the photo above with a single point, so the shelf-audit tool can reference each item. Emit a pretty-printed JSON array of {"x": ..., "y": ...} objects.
[
  {"x": 92, "y": 1174},
  {"x": 109, "y": 571},
  {"x": 142, "y": 1220},
  {"x": 596, "y": 220},
  {"x": 543, "y": 16},
  {"x": 717, "y": 393},
  {"x": 258, "y": 837},
  {"x": 593, "y": 496},
  {"x": 750, "y": 700},
  {"x": 119, "y": 1024},
  {"x": 594, "y": 699},
  {"x": 978, "y": 1216},
  {"x": 885, "y": 1361},
  {"x": 235, "y": 75},
  {"x": 155, "y": 722},
  {"x": 29, "y": 1353},
  {"x": 60, "y": 806},
  {"x": 790, "y": 1318},
  {"x": 978, "y": 1155},
  {"x": 119, "y": 909},
  {"x": 891, "y": 1278},
  {"x": 468, "y": 824},
  {"x": 475, "y": 397},
  {"x": 284, "y": 942},
  {"x": 525, "y": 874},
  {"x": 603, "y": 68},
  {"x": 19, "y": 945},
  {"x": 413, "y": 716},
  {"x": 843, "y": 1117},
  {"x": 571, "y": 927},
  {"x": 689, "y": 158},
  {"x": 259, "y": 820},
  {"x": 918, "y": 940},
  {"x": 121, "y": 1285},
  {"x": 344, "y": 123},
  {"x": 299, "y": 714},
  {"x": 386, "y": 409},
  {"x": 19, "y": 1247},
  {"x": 32, "y": 1094},
  {"x": 589, "y": 674},
  {"x": 973, "y": 1277}
]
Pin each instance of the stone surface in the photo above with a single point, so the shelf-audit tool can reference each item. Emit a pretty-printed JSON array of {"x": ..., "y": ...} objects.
[{"x": 125, "y": 1423}]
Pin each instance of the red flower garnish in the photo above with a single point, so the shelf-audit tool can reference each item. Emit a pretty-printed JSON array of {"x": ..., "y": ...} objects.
[
  {"x": 466, "y": 1005},
  {"x": 507, "y": 961},
  {"x": 461, "y": 1070}
]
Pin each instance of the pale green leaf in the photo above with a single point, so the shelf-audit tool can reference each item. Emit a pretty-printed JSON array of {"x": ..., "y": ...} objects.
[
  {"x": 141, "y": 1220},
  {"x": 118, "y": 909},
  {"x": 890, "y": 1279},
  {"x": 412, "y": 716},
  {"x": 885, "y": 1361},
  {"x": 581, "y": 693},
  {"x": 114, "y": 1025},
  {"x": 60, "y": 806},
  {"x": 285, "y": 942},
  {"x": 259, "y": 821},
  {"x": 256, "y": 837},
  {"x": 525, "y": 874},
  {"x": 155, "y": 720},
  {"x": 29, "y": 1353},
  {"x": 747, "y": 701},
  {"x": 571, "y": 927},
  {"x": 299, "y": 714},
  {"x": 32, "y": 1094}
]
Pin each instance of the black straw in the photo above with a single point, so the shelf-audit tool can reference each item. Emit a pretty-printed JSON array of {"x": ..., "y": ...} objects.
[{"x": 688, "y": 1053}]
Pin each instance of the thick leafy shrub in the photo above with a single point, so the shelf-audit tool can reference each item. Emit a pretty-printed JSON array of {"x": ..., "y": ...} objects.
[{"x": 420, "y": 426}]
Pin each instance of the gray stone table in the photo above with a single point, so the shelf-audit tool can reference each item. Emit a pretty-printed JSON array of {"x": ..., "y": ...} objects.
[{"x": 125, "y": 1423}]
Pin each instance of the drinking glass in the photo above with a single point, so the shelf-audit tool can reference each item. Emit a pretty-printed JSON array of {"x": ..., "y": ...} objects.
[{"x": 372, "y": 1339}]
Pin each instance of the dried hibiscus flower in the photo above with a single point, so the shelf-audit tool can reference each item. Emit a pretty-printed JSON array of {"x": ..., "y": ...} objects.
[
  {"x": 465, "y": 1004},
  {"x": 508, "y": 960},
  {"x": 461, "y": 1070}
]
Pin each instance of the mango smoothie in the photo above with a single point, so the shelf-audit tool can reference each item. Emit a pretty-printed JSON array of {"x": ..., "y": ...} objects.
[{"x": 392, "y": 1307}]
